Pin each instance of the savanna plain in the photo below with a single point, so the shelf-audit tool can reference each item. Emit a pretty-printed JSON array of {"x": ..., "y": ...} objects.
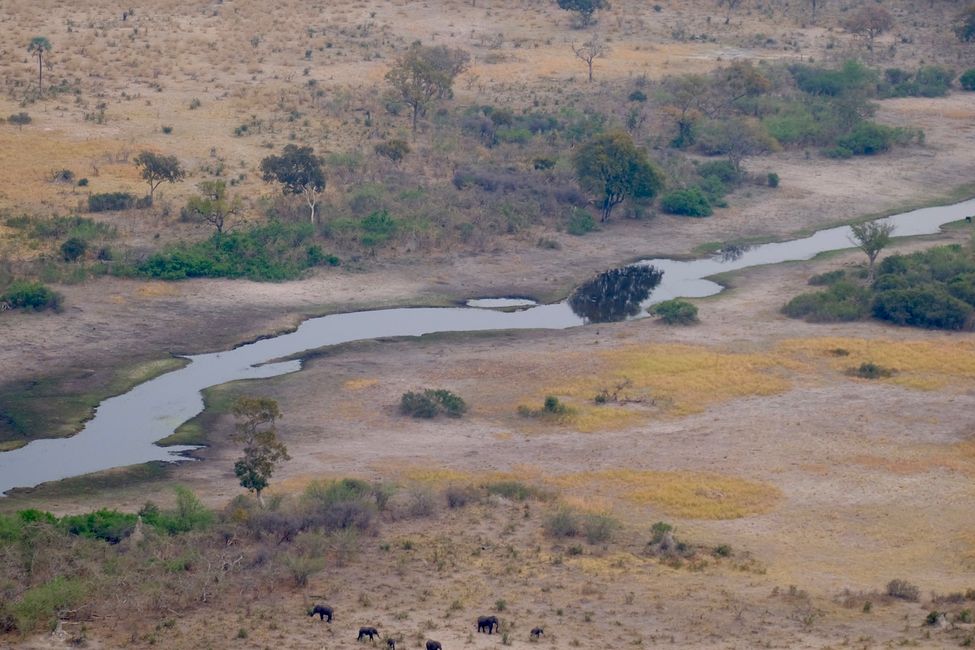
[{"x": 773, "y": 471}]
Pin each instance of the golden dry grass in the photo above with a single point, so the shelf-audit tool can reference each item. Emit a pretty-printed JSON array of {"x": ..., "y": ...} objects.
[
  {"x": 354, "y": 385},
  {"x": 925, "y": 365},
  {"x": 691, "y": 495}
]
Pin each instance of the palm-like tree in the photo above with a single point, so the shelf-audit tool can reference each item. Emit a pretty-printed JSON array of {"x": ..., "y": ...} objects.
[{"x": 38, "y": 46}]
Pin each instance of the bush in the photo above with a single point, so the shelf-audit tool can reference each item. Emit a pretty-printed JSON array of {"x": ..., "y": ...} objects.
[
  {"x": 967, "y": 79},
  {"x": 514, "y": 490},
  {"x": 772, "y": 179},
  {"x": 395, "y": 150},
  {"x": 432, "y": 402},
  {"x": 190, "y": 514},
  {"x": 73, "y": 248},
  {"x": 562, "y": 523},
  {"x": 929, "y": 306},
  {"x": 110, "y": 201},
  {"x": 580, "y": 222},
  {"x": 108, "y": 525},
  {"x": 870, "y": 370},
  {"x": 19, "y": 119},
  {"x": 828, "y": 278},
  {"x": 690, "y": 202},
  {"x": 723, "y": 170},
  {"x": 843, "y": 301},
  {"x": 675, "y": 312},
  {"x": 599, "y": 528},
  {"x": 31, "y": 295},
  {"x": 867, "y": 139},
  {"x": 44, "y": 604},
  {"x": 459, "y": 496},
  {"x": 637, "y": 96},
  {"x": 904, "y": 590}
]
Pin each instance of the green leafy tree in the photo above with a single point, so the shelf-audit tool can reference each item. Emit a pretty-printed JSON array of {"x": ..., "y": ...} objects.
[
  {"x": 156, "y": 168},
  {"x": 38, "y": 46},
  {"x": 424, "y": 74},
  {"x": 613, "y": 168},
  {"x": 213, "y": 205},
  {"x": 872, "y": 237},
  {"x": 584, "y": 8},
  {"x": 256, "y": 417},
  {"x": 965, "y": 29},
  {"x": 738, "y": 139},
  {"x": 299, "y": 171}
]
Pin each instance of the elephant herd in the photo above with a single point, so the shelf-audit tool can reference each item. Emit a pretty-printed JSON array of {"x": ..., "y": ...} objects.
[{"x": 486, "y": 624}]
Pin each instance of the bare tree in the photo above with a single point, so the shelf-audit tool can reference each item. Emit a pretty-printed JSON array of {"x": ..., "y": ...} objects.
[
  {"x": 731, "y": 5},
  {"x": 588, "y": 52},
  {"x": 869, "y": 22}
]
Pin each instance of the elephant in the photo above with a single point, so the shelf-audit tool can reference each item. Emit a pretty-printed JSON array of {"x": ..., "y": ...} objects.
[
  {"x": 391, "y": 644},
  {"x": 434, "y": 645},
  {"x": 364, "y": 632},
  {"x": 487, "y": 623},
  {"x": 537, "y": 632},
  {"x": 321, "y": 610}
]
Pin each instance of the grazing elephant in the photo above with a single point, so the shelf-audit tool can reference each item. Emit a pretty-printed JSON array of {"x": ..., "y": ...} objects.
[
  {"x": 321, "y": 610},
  {"x": 364, "y": 632},
  {"x": 434, "y": 645},
  {"x": 487, "y": 624},
  {"x": 537, "y": 632},
  {"x": 391, "y": 644}
]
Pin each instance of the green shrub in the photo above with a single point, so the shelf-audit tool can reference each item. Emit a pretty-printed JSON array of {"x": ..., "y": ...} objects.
[
  {"x": 828, "y": 278},
  {"x": 431, "y": 402},
  {"x": 690, "y": 202},
  {"x": 723, "y": 170},
  {"x": 599, "y": 528},
  {"x": 19, "y": 119},
  {"x": 42, "y": 606},
  {"x": 659, "y": 530},
  {"x": 108, "y": 525},
  {"x": 395, "y": 150},
  {"x": 637, "y": 96},
  {"x": 31, "y": 295},
  {"x": 377, "y": 229},
  {"x": 580, "y": 222},
  {"x": 110, "y": 201},
  {"x": 929, "y": 306},
  {"x": 562, "y": 523},
  {"x": 73, "y": 248},
  {"x": 514, "y": 490},
  {"x": 867, "y": 139},
  {"x": 190, "y": 514},
  {"x": 967, "y": 79},
  {"x": 843, "y": 301},
  {"x": 675, "y": 312},
  {"x": 772, "y": 179}
]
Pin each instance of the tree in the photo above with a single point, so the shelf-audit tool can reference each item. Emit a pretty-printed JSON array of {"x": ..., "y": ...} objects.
[
  {"x": 965, "y": 29},
  {"x": 591, "y": 50},
  {"x": 213, "y": 205},
  {"x": 738, "y": 138},
  {"x": 869, "y": 22},
  {"x": 613, "y": 168},
  {"x": 871, "y": 237},
  {"x": 299, "y": 171},
  {"x": 38, "y": 46},
  {"x": 262, "y": 449},
  {"x": 156, "y": 168},
  {"x": 395, "y": 150},
  {"x": 687, "y": 99},
  {"x": 814, "y": 5},
  {"x": 585, "y": 8},
  {"x": 424, "y": 74},
  {"x": 732, "y": 5}
]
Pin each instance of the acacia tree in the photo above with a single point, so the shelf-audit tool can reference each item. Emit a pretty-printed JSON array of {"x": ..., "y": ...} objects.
[
  {"x": 872, "y": 237},
  {"x": 584, "y": 8},
  {"x": 299, "y": 171},
  {"x": 869, "y": 22},
  {"x": 591, "y": 50},
  {"x": 424, "y": 74},
  {"x": 156, "y": 168},
  {"x": 38, "y": 46},
  {"x": 613, "y": 168},
  {"x": 255, "y": 430},
  {"x": 213, "y": 205}
]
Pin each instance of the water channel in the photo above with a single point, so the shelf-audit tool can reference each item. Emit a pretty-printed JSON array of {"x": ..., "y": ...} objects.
[{"x": 125, "y": 428}]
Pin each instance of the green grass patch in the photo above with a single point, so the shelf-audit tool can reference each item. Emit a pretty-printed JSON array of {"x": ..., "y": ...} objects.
[{"x": 217, "y": 400}]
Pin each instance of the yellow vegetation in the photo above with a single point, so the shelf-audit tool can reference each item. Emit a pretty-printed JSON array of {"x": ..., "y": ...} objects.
[
  {"x": 691, "y": 495},
  {"x": 359, "y": 384},
  {"x": 925, "y": 365}
]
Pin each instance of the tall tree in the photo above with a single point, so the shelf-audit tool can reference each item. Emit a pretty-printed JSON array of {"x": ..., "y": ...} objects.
[
  {"x": 213, "y": 205},
  {"x": 872, "y": 237},
  {"x": 38, "y": 46},
  {"x": 256, "y": 417},
  {"x": 156, "y": 168},
  {"x": 869, "y": 22},
  {"x": 614, "y": 169},
  {"x": 424, "y": 74},
  {"x": 594, "y": 48},
  {"x": 738, "y": 139},
  {"x": 584, "y": 8},
  {"x": 299, "y": 171}
]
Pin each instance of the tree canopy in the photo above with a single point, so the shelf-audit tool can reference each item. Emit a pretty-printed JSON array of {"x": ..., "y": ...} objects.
[
  {"x": 424, "y": 74},
  {"x": 613, "y": 168},
  {"x": 585, "y": 8},
  {"x": 255, "y": 430},
  {"x": 157, "y": 168},
  {"x": 38, "y": 46},
  {"x": 872, "y": 237},
  {"x": 213, "y": 205},
  {"x": 299, "y": 171}
]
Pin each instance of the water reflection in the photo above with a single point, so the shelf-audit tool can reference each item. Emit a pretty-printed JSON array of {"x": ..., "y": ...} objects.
[
  {"x": 733, "y": 252},
  {"x": 614, "y": 295}
]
